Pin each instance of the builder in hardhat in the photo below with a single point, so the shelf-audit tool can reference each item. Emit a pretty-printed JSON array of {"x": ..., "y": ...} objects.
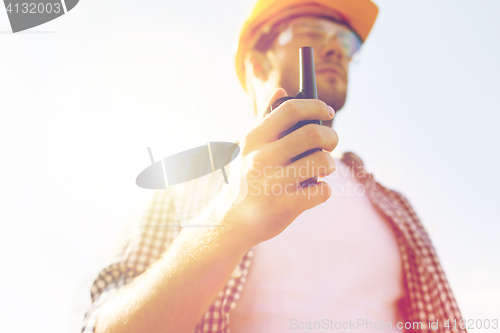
[
  {"x": 345, "y": 253},
  {"x": 269, "y": 40}
]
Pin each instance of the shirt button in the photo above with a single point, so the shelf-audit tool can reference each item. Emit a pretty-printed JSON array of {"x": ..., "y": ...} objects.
[{"x": 237, "y": 272}]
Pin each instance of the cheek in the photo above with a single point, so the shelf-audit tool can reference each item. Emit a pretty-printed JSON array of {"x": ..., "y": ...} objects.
[
  {"x": 330, "y": 83},
  {"x": 290, "y": 80},
  {"x": 287, "y": 71},
  {"x": 287, "y": 57}
]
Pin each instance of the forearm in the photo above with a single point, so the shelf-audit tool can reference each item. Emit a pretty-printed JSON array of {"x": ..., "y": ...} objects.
[{"x": 177, "y": 290}]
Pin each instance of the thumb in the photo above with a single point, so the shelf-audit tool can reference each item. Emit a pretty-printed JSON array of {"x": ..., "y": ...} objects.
[{"x": 277, "y": 94}]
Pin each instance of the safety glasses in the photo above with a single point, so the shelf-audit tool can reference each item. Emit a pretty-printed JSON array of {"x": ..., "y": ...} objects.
[{"x": 319, "y": 33}]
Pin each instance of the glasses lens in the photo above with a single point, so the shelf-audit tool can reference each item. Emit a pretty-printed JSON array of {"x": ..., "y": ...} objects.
[
  {"x": 350, "y": 43},
  {"x": 314, "y": 34}
]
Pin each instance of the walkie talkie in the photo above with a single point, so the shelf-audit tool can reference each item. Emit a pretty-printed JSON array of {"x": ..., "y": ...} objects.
[{"x": 307, "y": 91}]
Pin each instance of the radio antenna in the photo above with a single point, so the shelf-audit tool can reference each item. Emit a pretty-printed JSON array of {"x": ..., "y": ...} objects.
[{"x": 307, "y": 73}]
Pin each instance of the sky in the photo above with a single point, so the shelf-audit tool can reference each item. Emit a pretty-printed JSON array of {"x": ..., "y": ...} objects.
[{"x": 83, "y": 96}]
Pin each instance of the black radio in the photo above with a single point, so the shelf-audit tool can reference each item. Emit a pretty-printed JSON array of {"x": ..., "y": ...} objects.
[{"x": 307, "y": 91}]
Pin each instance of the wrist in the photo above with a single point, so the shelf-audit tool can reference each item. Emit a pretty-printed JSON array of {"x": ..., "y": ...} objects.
[{"x": 221, "y": 227}]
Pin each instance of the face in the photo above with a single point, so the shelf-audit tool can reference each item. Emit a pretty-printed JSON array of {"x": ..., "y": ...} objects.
[{"x": 330, "y": 41}]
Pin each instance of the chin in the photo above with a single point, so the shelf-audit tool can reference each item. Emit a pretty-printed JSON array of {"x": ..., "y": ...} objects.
[
  {"x": 336, "y": 99},
  {"x": 333, "y": 92}
]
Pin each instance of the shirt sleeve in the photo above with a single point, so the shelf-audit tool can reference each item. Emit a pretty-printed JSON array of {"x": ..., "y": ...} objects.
[{"x": 139, "y": 247}]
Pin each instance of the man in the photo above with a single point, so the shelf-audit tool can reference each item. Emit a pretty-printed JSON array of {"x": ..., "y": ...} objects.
[{"x": 275, "y": 256}]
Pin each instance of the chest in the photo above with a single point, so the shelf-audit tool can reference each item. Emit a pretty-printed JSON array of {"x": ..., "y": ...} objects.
[{"x": 339, "y": 260}]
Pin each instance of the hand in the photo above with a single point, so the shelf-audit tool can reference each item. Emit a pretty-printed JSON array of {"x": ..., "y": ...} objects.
[{"x": 264, "y": 194}]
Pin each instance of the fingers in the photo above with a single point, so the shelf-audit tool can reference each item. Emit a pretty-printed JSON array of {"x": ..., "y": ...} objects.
[
  {"x": 308, "y": 197},
  {"x": 318, "y": 163},
  {"x": 278, "y": 93},
  {"x": 288, "y": 114},
  {"x": 311, "y": 196},
  {"x": 303, "y": 139}
]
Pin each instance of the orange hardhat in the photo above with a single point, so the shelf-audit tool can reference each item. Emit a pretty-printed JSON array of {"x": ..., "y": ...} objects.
[{"x": 359, "y": 15}]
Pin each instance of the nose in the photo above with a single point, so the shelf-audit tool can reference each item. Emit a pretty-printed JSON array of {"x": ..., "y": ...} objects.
[{"x": 331, "y": 48}]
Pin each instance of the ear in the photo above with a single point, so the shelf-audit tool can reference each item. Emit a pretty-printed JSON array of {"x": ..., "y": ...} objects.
[{"x": 258, "y": 65}]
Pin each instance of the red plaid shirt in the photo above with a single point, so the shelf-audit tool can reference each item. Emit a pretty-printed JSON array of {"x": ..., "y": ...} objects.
[{"x": 428, "y": 295}]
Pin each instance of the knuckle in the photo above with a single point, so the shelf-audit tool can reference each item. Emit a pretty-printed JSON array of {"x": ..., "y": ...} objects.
[
  {"x": 250, "y": 151},
  {"x": 333, "y": 139},
  {"x": 245, "y": 146},
  {"x": 290, "y": 107},
  {"x": 258, "y": 158},
  {"x": 250, "y": 138},
  {"x": 324, "y": 164},
  {"x": 320, "y": 104},
  {"x": 324, "y": 158},
  {"x": 313, "y": 132},
  {"x": 308, "y": 130}
]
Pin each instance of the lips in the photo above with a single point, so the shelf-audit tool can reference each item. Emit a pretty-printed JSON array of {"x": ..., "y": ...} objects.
[{"x": 331, "y": 70}]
